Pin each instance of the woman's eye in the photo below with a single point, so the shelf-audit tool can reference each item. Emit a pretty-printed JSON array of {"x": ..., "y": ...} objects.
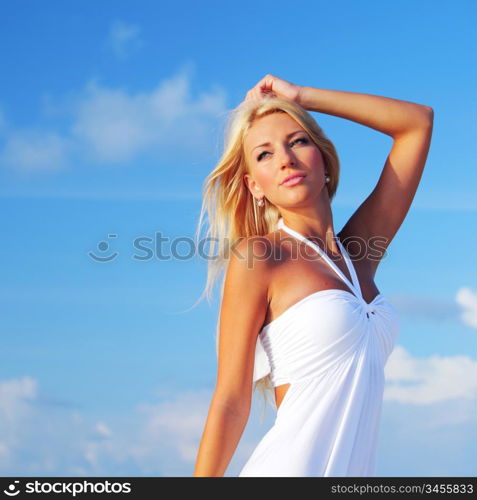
[
  {"x": 304, "y": 139},
  {"x": 259, "y": 157}
]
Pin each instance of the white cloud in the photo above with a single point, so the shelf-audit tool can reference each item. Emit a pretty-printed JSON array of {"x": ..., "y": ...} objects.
[
  {"x": 429, "y": 380},
  {"x": 113, "y": 125},
  {"x": 124, "y": 38},
  {"x": 467, "y": 299},
  {"x": 15, "y": 398}
]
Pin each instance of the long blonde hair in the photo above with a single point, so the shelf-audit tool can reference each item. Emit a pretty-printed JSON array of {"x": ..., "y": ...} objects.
[{"x": 231, "y": 208}]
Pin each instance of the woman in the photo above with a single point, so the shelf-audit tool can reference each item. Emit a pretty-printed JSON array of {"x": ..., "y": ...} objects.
[{"x": 300, "y": 312}]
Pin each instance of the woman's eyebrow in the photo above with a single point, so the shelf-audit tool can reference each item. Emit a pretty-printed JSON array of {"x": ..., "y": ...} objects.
[{"x": 288, "y": 136}]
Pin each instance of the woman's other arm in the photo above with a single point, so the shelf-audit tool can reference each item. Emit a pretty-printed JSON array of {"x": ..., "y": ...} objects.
[
  {"x": 382, "y": 213},
  {"x": 244, "y": 304},
  {"x": 393, "y": 117}
]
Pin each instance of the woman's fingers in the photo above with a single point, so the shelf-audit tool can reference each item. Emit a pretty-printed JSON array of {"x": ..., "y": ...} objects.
[
  {"x": 262, "y": 88},
  {"x": 273, "y": 86}
]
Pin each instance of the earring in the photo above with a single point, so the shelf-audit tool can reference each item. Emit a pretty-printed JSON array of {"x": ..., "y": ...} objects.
[
  {"x": 260, "y": 202},
  {"x": 327, "y": 178}
]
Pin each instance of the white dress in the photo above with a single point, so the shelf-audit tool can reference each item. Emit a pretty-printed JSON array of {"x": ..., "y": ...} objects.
[{"x": 332, "y": 347}]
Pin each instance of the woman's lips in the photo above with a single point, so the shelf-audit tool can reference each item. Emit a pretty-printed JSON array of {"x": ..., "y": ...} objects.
[{"x": 294, "y": 180}]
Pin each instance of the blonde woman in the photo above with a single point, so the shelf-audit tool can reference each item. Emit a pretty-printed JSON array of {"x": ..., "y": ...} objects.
[{"x": 301, "y": 315}]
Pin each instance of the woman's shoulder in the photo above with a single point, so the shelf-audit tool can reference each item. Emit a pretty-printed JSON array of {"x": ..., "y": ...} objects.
[
  {"x": 257, "y": 256},
  {"x": 256, "y": 251}
]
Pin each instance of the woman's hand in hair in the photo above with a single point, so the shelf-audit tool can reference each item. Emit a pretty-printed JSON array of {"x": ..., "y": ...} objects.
[{"x": 276, "y": 87}]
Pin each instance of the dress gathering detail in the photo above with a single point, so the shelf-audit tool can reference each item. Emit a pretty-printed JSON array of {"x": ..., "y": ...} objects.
[{"x": 331, "y": 347}]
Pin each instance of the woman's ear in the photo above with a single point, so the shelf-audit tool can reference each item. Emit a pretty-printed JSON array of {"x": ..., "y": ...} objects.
[{"x": 252, "y": 185}]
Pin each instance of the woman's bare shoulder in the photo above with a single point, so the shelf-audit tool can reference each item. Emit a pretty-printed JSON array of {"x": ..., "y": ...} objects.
[
  {"x": 249, "y": 275},
  {"x": 258, "y": 252}
]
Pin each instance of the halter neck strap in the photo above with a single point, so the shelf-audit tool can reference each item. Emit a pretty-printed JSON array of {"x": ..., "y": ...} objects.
[{"x": 354, "y": 286}]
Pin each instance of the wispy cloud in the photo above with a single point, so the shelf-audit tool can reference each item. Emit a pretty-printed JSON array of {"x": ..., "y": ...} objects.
[
  {"x": 113, "y": 126},
  {"x": 124, "y": 38}
]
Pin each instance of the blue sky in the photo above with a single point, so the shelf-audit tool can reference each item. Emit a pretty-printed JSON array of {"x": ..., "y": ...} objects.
[{"x": 111, "y": 116}]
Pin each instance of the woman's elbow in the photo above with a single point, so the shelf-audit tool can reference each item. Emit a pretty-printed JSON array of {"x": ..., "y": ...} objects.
[{"x": 233, "y": 403}]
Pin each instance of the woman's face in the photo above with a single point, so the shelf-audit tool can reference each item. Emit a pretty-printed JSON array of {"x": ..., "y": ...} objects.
[{"x": 289, "y": 151}]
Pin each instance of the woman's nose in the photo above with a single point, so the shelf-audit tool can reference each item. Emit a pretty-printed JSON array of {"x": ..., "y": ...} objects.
[{"x": 287, "y": 158}]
